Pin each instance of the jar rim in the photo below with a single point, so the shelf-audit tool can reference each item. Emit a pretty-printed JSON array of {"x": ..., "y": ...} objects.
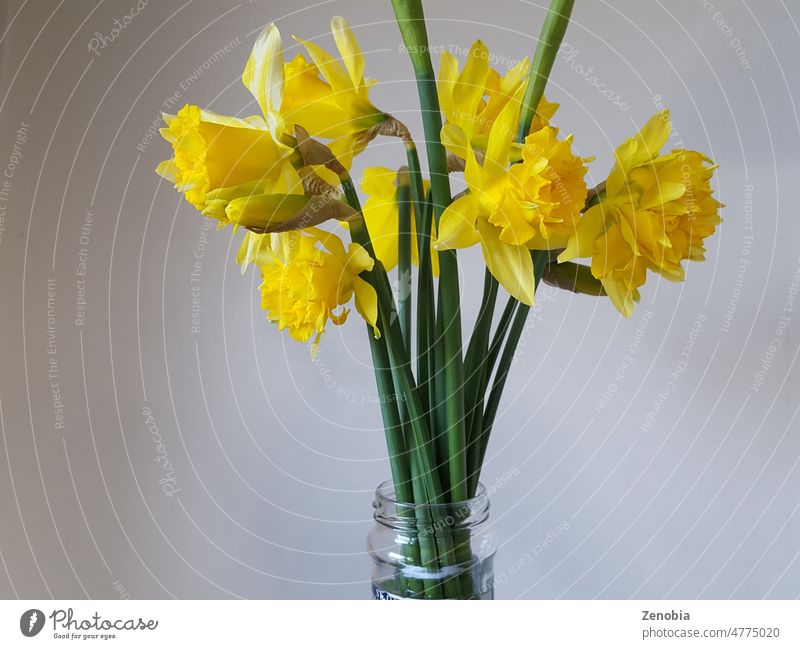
[{"x": 385, "y": 493}]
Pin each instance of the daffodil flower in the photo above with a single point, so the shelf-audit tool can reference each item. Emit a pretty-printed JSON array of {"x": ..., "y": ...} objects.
[
  {"x": 327, "y": 97},
  {"x": 246, "y": 170},
  {"x": 656, "y": 212},
  {"x": 213, "y": 152},
  {"x": 308, "y": 279},
  {"x": 534, "y": 204},
  {"x": 473, "y": 98}
]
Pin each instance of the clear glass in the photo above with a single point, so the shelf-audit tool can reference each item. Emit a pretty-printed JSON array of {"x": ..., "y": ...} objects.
[{"x": 431, "y": 551}]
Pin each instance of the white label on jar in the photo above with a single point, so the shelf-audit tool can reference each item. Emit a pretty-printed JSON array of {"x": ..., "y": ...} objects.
[{"x": 380, "y": 593}]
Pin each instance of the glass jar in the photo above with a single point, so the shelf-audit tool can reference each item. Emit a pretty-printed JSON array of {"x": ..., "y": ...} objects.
[{"x": 431, "y": 551}]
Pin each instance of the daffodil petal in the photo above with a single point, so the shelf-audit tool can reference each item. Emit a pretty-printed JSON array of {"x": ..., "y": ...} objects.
[
  {"x": 646, "y": 144},
  {"x": 366, "y": 303},
  {"x": 358, "y": 259},
  {"x": 581, "y": 244},
  {"x": 512, "y": 266},
  {"x": 379, "y": 181},
  {"x": 340, "y": 318},
  {"x": 454, "y": 139},
  {"x": 349, "y": 50},
  {"x": 264, "y": 74},
  {"x": 655, "y": 133},
  {"x": 330, "y": 68},
  {"x": 168, "y": 135},
  {"x": 457, "y": 225},
  {"x": 287, "y": 181},
  {"x": 256, "y": 249},
  {"x": 168, "y": 170},
  {"x": 348, "y": 146},
  {"x": 473, "y": 172},
  {"x": 380, "y": 215},
  {"x": 469, "y": 89},
  {"x": 503, "y": 130},
  {"x": 514, "y": 76},
  {"x": 662, "y": 193},
  {"x": 448, "y": 73},
  {"x": 331, "y": 242},
  {"x": 621, "y": 297}
]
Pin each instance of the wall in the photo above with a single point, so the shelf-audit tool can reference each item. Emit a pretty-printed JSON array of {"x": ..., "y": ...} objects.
[{"x": 151, "y": 450}]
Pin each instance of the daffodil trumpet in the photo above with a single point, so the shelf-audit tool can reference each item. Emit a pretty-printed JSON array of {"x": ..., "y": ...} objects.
[{"x": 283, "y": 179}]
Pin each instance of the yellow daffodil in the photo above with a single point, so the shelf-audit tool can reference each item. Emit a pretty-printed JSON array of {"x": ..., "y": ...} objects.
[
  {"x": 327, "y": 97},
  {"x": 549, "y": 192},
  {"x": 245, "y": 170},
  {"x": 656, "y": 211},
  {"x": 473, "y": 98},
  {"x": 213, "y": 151},
  {"x": 510, "y": 211},
  {"x": 381, "y": 214},
  {"x": 308, "y": 278}
]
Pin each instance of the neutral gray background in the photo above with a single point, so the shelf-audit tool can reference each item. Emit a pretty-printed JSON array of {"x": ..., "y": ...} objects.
[{"x": 274, "y": 455}]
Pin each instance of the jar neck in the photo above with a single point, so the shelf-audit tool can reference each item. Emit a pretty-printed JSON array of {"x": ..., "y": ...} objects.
[{"x": 466, "y": 514}]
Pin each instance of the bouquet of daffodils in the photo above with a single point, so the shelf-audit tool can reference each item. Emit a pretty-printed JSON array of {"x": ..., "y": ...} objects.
[{"x": 284, "y": 177}]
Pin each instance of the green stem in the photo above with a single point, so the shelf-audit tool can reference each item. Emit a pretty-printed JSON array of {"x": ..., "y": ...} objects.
[
  {"x": 392, "y": 423},
  {"x": 553, "y": 30},
  {"x": 426, "y": 319},
  {"x": 476, "y": 447},
  {"x": 398, "y": 454},
  {"x": 476, "y": 358},
  {"x": 431, "y": 588},
  {"x": 411, "y": 20},
  {"x": 404, "y": 256},
  {"x": 438, "y": 404},
  {"x": 500, "y": 333},
  {"x": 540, "y": 259},
  {"x": 426, "y": 486},
  {"x": 426, "y": 308},
  {"x": 420, "y": 200},
  {"x": 398, "y": 354}
]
